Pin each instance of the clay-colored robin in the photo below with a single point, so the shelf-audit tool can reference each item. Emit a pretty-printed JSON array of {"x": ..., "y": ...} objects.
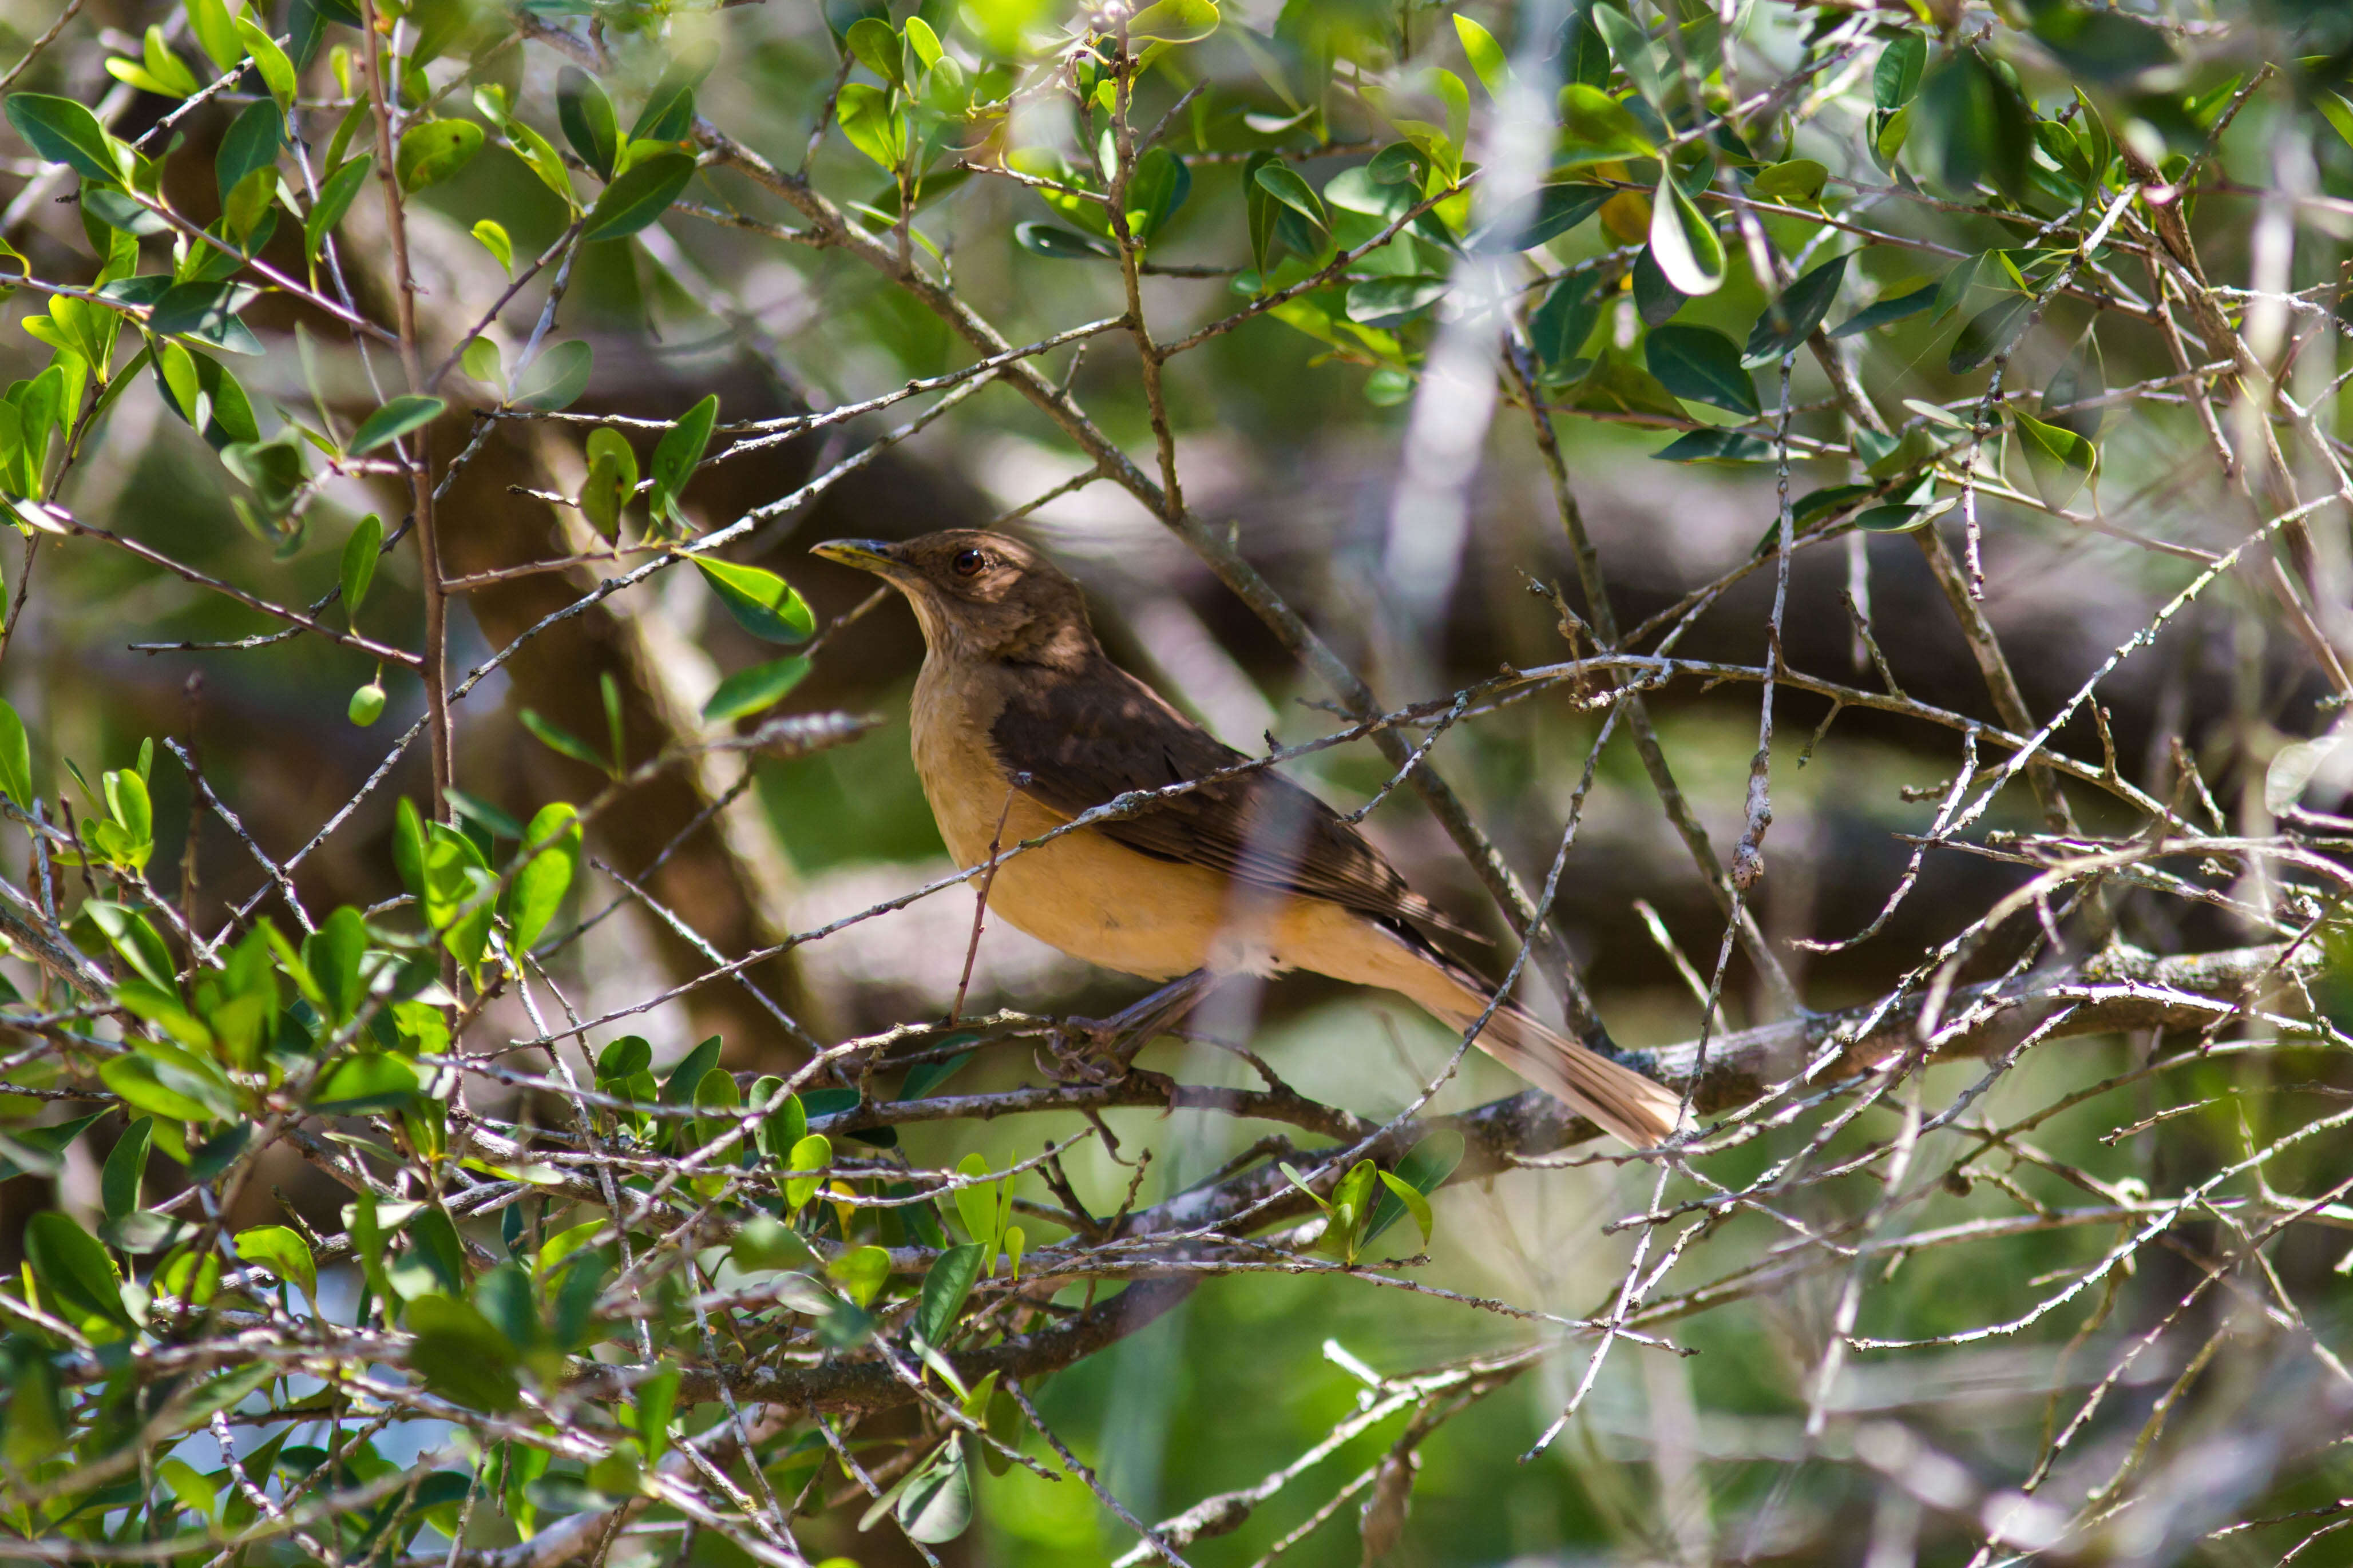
[{"x": 1021, "y": 720}]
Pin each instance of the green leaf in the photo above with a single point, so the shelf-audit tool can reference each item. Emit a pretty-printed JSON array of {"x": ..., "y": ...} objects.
[
  {"x": 63, "y": 132},
  {"x": 676, "y": 457},
  {"x": 1598, "y": 129},
  {"x": 874, "y": 44},
  {"x": 283, "y": 1252},
  {"x": 460, "y": 1355},
  {"x": 215, "y": 34},
  {"x": 1895, "y": 77},
  {"x": 814, "y": 1152},
  {"x": 1173, "y": 22},
  {"x": 2078, "y": 381},
  {"x": 1916, "y": 511},
  {"x": 126, "y": 1167},
  {"x": 1991, "y": 331},
  {"x": 1559, "y": 207},
  {"x": 556, "y": 379},
  {"x": 1790, "y": 319},
  {"x": 1630, "y": 41},
  {"x": 1424, "y": 1169},
  {"x": 1296, "y": 1180},
  {"x": 371, "y": 1080},
  {"x": 1282, "y": 181},
  {"x": 1159, "y": 187},
  {"x": 862, "y": 1273},
  {"x": 189, "y": 1487},
  {"x": 396, "y": 418},
  {"x": 763, "y": 604},
  {"x": 2101, "y": 43},
  {"x": 656, "y": 1399},
  {"x": 1414, "y": 1205},
  {"x": 871, "y": 123},
  {"x": 2060, "y": 459},
  {"x": 1892, "y": 308},
  {"x": 1560, "y": 325},
  {"x": 250, "y": 146},
  {"x": 925, "y": 42},
  {"x": 946, "y": 1283},
  {"x": 208, "y": 311},
  {"x": 540, "y": 156},
  {"x": 131, "y": 936},
  {"x": 687, "y": 1076},
  {"x": 480, "y": 362},
  {"x": 586, "y": 116},
  {"x": 540, "y": 885},
  {"x": 1797, "y": 180},
  {"x": 1700, "y": 364},
  {"x": 16, "y": 758},
  {"x": 936, "y": 1506},
  {"x": 1485, "y": 55},
  {"x": 277, "y": 72},
  {"x": 925, "y": 1078},
  {"x": 978, "y": 1204},
  {"x": 2337, "y": 110},
  {"x": 431, "y": 153},
  {"x": 494, "y": 239},
  {"x": 1968, "y": 124},
  {"x": 169, "y": 1084},
  {"x": 1715, "y": 446},
  {"x": 75, "y": 1273},
  {"x": 750, "y": 690},
  {"x": 360, "y": 551},
  {"x": 1688, "y": 251},
  {"x": 335, "y": 194},
  {"x": 612, "y": 481},
  {"x": 334, "y": 954},
  {"x": 641, "y": 193},
  {"x": 1392, "y": 302},
  {"x": 1060, "y": 244},
  {"x": 556, "y": 738}
]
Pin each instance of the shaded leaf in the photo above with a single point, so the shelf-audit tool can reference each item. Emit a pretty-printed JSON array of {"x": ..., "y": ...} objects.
[
  {"x": 1991, "y": 331},
  {"x": 1790, "y": 319},
  {"x": 1700, "y": 364},
  {"x": 1892, "y": 308},
  {"x": 1714, "y": 446},
  {"x": 750, "y": 690},
  {"x": 586, "y": 116},
  {"x": 556, "y": 379},
  {"x": 641, "y": 193},
  {"x": 1063, "y": 244},
  {"x": 431, "y": 153},
  {"x": 2060, "y": 460},
  {"x": 396, "y": 418}
]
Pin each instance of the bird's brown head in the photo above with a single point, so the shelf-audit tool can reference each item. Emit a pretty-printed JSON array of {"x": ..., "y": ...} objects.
[{"x": 978, "y": 595}]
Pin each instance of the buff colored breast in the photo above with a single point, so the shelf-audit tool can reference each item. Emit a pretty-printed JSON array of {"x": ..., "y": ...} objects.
[{"x": 1082, "y": 893}]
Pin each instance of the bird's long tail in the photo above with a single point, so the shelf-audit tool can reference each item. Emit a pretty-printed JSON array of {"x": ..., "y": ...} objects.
[{"x": 1639, "y": 1111}]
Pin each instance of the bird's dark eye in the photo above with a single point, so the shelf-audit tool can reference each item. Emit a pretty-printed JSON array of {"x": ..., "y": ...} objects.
[{"x": 969, "y": 563}]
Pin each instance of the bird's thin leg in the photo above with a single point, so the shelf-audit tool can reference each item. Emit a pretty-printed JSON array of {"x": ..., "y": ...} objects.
[{"x": 1120, "y": 1037}]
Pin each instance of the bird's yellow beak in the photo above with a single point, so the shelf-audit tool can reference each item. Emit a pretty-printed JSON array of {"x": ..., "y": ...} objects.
[{"x": 866, "y": 555}]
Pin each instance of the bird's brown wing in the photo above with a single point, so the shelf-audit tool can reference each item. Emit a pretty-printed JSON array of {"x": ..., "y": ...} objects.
[{"x": 1086, "y": 737}]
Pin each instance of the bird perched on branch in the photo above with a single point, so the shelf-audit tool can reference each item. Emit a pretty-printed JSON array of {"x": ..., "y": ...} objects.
[{"x": 1022, "y": 723}]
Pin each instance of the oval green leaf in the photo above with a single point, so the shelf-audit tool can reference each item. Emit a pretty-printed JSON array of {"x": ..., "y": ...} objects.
[
  {"x": 642, "y": 194},
  {"x": 763, "y": 604}
]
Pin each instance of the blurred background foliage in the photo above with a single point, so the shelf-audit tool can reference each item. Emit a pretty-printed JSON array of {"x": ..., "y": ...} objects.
[{"x": 1956, "y": 154}]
